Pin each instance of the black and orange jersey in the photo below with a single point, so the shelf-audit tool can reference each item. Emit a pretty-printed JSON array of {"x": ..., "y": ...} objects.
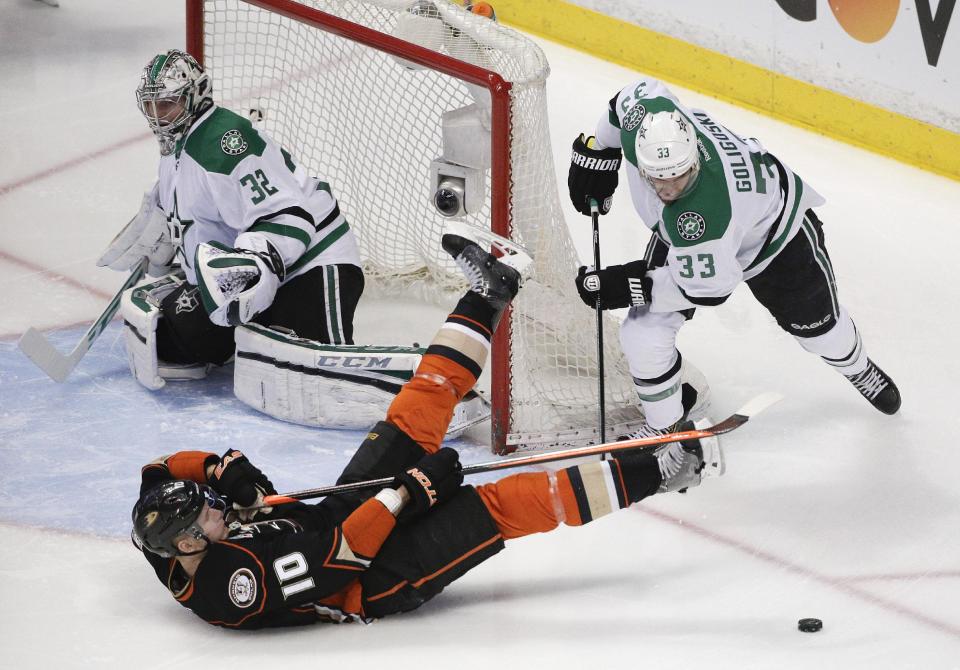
[
  {"x": 299, "y": 565},
  {"x": 340, "y": 559}
]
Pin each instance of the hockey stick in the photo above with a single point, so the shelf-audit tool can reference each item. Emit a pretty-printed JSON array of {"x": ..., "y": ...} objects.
[
  {"x": 595, "y": 217},
  {"x": 732, "y": 422},
  {"x": 56, "y": 365}
]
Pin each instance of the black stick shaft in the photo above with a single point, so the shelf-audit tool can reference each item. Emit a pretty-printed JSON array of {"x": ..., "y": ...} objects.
[{"x": 601, "y": 394}]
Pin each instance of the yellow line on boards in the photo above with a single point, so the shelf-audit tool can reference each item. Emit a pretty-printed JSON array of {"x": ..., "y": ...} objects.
[{"x": 832, "y": 114}]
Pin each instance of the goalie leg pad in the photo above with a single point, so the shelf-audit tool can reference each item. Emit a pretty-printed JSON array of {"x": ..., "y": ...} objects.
[
  {"x": 141, "y": 312},
  {"x": 328, "y": 386},
  {"x": 312, "y": 384}
]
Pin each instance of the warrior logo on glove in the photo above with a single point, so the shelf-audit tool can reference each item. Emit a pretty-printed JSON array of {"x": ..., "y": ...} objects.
[
  {"x": 593, "y": 174},
  {"x": 616, "y": 286}
]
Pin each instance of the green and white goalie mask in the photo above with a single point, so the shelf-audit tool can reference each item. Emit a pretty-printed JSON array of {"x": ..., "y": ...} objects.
[
  {"x": 667, "y": 154},
  {"x": 173, "y": 91}
]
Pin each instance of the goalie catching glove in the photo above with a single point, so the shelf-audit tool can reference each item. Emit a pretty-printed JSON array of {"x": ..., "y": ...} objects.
[
  {"x": 434, "y": 479},
  {"x": 238, "y": 284},
  {"x": 593, "y": 174},
  {"x": 235, "y": 477},
  {"x": 616, "y": 286}
]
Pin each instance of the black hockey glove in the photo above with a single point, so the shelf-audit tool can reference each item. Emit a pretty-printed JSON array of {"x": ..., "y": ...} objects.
[
  {"x": 434, "y": 479},
  {"x": 593, "y": 175},
  {"x": 241, "y": 481},
  {"x": 617, "y": 285}
]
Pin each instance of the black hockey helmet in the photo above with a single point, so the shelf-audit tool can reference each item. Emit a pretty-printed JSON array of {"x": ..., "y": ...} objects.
[{"x": 168, "y": 511}]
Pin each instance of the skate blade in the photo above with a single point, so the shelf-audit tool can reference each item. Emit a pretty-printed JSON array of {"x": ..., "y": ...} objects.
[{"x": 512, "y": 254}]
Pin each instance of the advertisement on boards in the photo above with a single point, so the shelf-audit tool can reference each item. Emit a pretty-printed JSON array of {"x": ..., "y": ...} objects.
[{"x": 900, "y": 55}]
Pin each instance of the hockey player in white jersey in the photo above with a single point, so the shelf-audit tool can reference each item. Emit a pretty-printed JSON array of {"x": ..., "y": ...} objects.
[
  {"x": 256, "y": 237},
  {"x": 722, "y": 210}
]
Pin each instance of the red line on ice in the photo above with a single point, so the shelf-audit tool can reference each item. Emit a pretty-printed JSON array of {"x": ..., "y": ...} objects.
[
  {"x": 73, "y": 162},
  {"x": 838, "y": 583}
]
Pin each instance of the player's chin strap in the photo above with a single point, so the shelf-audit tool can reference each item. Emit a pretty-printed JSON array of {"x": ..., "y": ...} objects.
[{"x": 196, "y": 533}]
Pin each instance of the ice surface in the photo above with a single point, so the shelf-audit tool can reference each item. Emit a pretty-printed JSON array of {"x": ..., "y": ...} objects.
[{"x": 828, "y": 508}]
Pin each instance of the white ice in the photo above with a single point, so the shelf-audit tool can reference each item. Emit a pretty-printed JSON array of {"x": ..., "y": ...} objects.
[{"x": 828, "y": 508}]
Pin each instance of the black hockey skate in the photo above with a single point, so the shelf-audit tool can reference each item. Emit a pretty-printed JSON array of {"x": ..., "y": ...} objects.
[
  {"x": 497, "y": 282},
  {"x": 876, "y": 386}
]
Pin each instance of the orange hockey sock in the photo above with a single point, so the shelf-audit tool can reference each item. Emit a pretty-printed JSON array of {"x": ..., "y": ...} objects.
[
  {"x": 537, "y": 502},
  {"x": 448, "y": 370}
]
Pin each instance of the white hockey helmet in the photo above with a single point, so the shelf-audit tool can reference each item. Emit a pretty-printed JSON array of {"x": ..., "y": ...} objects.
[
  {"x": 666, "y": 148},
  {"x": 173, "y": 91}
]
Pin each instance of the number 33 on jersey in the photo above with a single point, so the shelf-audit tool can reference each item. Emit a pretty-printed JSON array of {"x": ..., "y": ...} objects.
[{"x": 743, "y": 209}]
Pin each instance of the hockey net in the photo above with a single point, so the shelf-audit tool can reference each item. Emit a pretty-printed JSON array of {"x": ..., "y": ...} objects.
[{"x": 356, "y": 90}]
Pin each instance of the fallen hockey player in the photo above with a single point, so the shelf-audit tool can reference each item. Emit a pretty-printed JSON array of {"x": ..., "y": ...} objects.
[{"x": 361, "y": 556}]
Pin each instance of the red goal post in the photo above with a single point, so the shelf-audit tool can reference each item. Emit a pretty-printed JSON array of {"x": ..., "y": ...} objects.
[{"x": 542, "y": 369}]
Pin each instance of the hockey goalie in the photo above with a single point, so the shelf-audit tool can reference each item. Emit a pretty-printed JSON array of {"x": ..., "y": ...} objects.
[{"x": 250, "y": 259}]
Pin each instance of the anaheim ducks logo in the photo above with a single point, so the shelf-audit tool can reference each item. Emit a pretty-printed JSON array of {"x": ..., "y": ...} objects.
[
  {"x": 233, "y": 143},
  {"x": 151, "y": 518},
  {"x": 633, "y": 117},
  {"x": 691, "y": 226},
  {"x": 242, "y": 588}
]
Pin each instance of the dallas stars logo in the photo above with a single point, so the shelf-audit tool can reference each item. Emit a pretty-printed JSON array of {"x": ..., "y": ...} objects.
[
  {"x": 233, "y": 143},
  {"x": 681, "y": 124},
  {"x": 691, "y": 226},
  {"x": 633, "y": 118},
  {"x": 178, "y": 229},
  {"x": 187, "y": 301}
]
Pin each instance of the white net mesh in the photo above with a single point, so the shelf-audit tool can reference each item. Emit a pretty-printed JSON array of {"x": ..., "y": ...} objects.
[{"x": 371, "y": 125}]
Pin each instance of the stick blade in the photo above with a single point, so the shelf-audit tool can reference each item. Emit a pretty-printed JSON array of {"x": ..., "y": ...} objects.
[
  {"x": 44, "y": 355},
  {"x": 750, "y": 409},
  {"x": 759, "y": 403}
]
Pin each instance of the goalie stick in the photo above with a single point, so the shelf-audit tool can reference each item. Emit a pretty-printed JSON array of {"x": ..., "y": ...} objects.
[
  {"x": 732, "y": 422},
  {"x": 57, "y": 366}
]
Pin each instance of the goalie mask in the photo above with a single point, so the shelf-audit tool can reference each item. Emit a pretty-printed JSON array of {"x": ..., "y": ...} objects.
[
  {"x": 170, "y": 510},
  {"x": 667, "y": 154},
  {"x": 173, "y": 91}
]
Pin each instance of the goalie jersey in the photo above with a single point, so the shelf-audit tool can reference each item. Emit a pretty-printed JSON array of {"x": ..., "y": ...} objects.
[
  {"x": 225, "y": 178},
  {"x": 744, "y": 209}
]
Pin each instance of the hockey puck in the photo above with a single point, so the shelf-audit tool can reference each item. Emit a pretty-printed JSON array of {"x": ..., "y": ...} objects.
[{"x": 810, "y": 625}]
